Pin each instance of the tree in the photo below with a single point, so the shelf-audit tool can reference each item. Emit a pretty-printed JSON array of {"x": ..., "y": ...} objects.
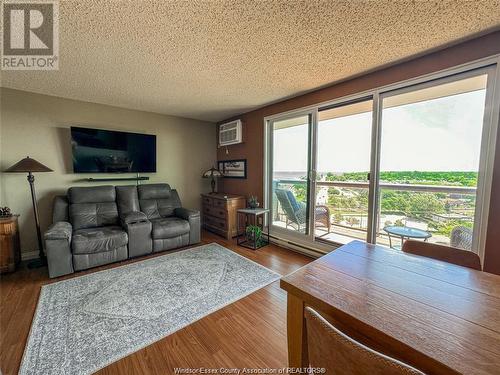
[
  {"x": 399, "y": 223},
  {"x": 333, "y": 191},
  {"x": 300, "y": 192},
  {"x": 352, "y": 221},
  {"x": 424, "y": 203},
  {"x": 446, "y": 228},
  {"x": 447, "y": 207},
  {"x": 337, "y": 217}
]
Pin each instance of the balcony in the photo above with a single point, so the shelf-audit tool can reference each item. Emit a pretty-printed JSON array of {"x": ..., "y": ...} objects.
[{"x": 436, "y": 209}]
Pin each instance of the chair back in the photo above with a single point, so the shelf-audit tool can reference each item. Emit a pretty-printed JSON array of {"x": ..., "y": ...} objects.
[
  {"x": 288, "y": 202},
  {"x": 338, "y": 353},
  {"x": 448, "y": 254},
  {"x": 461, "y": 237}
]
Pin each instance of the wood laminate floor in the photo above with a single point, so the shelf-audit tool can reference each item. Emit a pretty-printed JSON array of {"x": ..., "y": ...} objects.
[{"x": 248, "y": 333}]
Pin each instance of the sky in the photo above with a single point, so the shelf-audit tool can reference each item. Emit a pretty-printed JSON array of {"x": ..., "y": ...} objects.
[{"x": 436, "y": 135}]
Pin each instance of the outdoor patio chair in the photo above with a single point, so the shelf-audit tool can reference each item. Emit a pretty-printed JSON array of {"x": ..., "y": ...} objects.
[
  {"x": 461, "y": 237},
  {"x": 296, "y": 212}
]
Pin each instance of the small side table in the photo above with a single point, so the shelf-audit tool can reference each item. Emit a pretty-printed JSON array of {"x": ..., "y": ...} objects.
[
  {"x": 10, "y": 251},
  {"x": 257, "y": 217}
]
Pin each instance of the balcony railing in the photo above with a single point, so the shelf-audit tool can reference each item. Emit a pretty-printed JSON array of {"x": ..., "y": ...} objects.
[
  {"x": 401, "y": 187},
  {"x": 353, "y": 220}
]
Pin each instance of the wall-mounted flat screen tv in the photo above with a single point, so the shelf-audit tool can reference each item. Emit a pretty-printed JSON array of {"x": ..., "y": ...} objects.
[{"x": 106, "y": 151}]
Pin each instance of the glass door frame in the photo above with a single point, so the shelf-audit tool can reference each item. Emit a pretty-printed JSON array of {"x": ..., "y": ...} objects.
[
  {"x": 307, "y": 237},
  {"x": 489, "y": 65},
  {"x": 487, "y": 148},
  {"x": 373, "y": 136}
]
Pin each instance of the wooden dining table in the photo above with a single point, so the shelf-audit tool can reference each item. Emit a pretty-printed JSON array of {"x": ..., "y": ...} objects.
[{"x": 436, "y": 316}]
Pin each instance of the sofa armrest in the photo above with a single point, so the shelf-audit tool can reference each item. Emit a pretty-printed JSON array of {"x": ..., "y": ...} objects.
[
  {"x": 134, "y": 217},
  {"x": 185, "y": 213},
  {"x": 58, "y": 249},
  {"x": 61, "y": 230},
  {"x": 138, "y": 228},
  {"x": 194, "y": 223}
]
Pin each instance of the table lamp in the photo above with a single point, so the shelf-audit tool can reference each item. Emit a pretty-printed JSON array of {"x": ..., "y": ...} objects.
[
  {"x": 212, "y": 173},
  {"x": 28, "y": 165}
]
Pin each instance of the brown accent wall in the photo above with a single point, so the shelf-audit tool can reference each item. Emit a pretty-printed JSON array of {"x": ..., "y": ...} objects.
[{"x": 252, "y": 147}]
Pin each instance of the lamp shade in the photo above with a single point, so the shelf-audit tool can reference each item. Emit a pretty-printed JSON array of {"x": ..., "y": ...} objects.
[
  {"x": 28, "y": 165},
  {"x": 212, "y": 172}
]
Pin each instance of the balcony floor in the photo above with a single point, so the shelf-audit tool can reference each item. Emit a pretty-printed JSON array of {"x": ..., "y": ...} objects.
[{"x": 343, "y": 235}]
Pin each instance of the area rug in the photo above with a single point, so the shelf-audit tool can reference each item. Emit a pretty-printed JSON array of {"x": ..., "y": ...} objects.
[{"x": 83, "y": 324}]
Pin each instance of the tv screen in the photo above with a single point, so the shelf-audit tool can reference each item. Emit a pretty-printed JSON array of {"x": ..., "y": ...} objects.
[{"x": 106, "y": 151}]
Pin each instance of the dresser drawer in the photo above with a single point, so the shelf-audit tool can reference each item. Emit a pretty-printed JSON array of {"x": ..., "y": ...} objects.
[
  {"x": 207, "y": 201},
  {"x": 214, "y": 211},
  {"x": 219, "y": 203},
  {"x": 219, "y": 212},
  {"x": 215, "y": 222}
]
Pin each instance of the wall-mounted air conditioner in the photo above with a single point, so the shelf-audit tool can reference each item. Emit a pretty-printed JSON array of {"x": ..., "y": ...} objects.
[{"x": 230, "y": 133}]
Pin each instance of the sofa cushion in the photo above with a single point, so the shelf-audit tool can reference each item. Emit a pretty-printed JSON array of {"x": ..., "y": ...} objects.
[
  {"x": 93, "y": 194},
  {"x": 158, "y": 201},
  {"x": 293, "y": 201},
  {"x": 91, "y": 215},
  {"x": 169, "y": 227},
  {"x": 91, "y": 207},
  {"x": 127, "y": 199},
  {"x": 96, "y": 240},
  {"x": 154, "y": 191},
  {"x": 157, "y": 208}
]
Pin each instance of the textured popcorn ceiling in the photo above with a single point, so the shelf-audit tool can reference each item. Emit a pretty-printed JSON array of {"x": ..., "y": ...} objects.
[{"x": 212, "y": 59}]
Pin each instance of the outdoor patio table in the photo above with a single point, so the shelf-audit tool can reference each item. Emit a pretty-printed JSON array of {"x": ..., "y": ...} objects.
[{"x": 405, "y": 232}]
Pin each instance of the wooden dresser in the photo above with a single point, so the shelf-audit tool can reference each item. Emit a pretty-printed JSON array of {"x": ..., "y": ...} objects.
[
  {"x": 10, "y": 251},
  {"x": 219, "y": 213}
]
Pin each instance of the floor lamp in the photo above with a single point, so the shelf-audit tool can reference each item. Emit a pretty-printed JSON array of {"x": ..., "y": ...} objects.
[{"x": 28, "y": 165}]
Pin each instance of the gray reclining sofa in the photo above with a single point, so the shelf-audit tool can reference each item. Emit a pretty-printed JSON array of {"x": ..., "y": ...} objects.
[{"x": 98, "y": 225}]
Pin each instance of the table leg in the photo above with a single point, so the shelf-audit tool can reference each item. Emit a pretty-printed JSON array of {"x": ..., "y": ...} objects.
[
  {"x": 239, "y": 235},
  {"x": 296, "y": 333},
  {"x": 268, "y": 226}
]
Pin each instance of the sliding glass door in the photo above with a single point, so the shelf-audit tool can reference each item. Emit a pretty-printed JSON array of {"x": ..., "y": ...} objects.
[
  {"x": 343, "y": 167},
  {"x": 408, "y": 162},
  {"x": 430, "y": 162},
  {"x": 290, "y": 163}
]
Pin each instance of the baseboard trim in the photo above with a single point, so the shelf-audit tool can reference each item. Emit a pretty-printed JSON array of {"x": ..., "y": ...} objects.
[
  {"x": 29, "y": 255},
  {"x": 298, "y": 248}
]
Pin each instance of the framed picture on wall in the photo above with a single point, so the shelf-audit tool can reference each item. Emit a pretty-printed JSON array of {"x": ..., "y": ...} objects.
[{"x": 233, "y": 168}]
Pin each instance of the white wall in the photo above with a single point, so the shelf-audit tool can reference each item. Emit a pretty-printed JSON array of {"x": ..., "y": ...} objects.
[{"x": 38, "y": 126}]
